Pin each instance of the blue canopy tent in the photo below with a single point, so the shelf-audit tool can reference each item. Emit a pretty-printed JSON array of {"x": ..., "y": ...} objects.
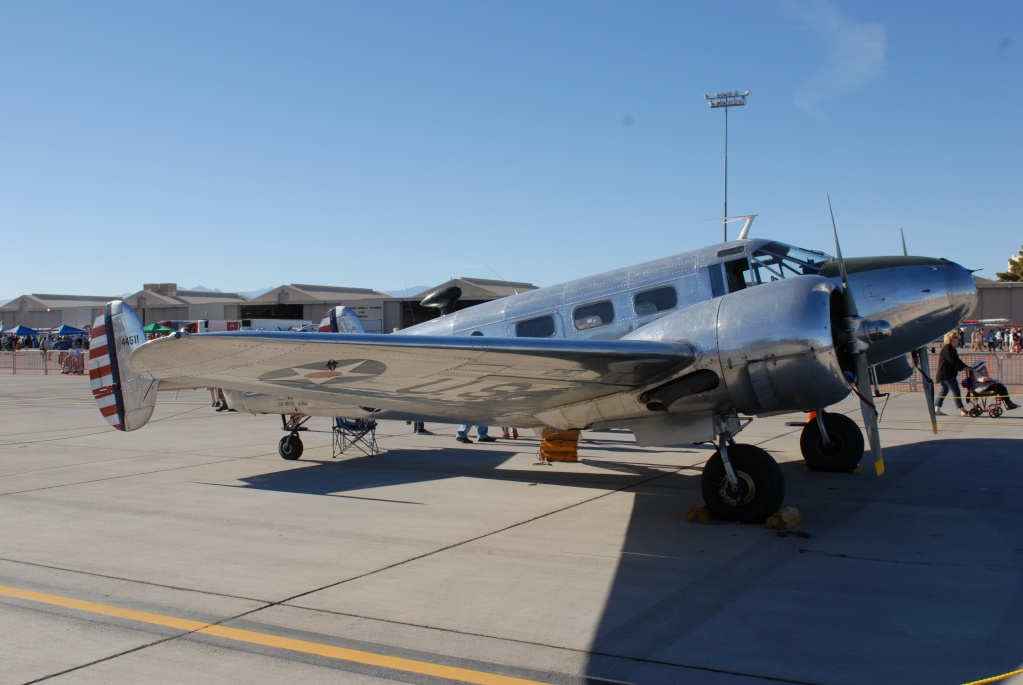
[
  {"x": 20, "y": 330},
  {"x": 69, "y": 330}
]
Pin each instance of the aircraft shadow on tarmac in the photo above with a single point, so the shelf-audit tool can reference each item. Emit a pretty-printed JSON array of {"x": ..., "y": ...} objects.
[
  {"x": 866, "y": 598},
  {"x": 402, "y": 467},
  {"x": 721, "y": 602}
]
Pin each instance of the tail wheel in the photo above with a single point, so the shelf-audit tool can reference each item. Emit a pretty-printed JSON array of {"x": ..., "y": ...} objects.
[
  {"x": 290, "y": 447},
  {"x": 842, "y": 450},
  {"x": 758, "y": 493}
]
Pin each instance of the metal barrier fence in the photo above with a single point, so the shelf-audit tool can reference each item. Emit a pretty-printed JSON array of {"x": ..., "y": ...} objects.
[
  {"x": 43, "y": 362},
  {"x": 1006, "y": 366}
]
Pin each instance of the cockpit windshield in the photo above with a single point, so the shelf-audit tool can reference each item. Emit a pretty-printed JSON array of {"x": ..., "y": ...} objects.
[{"x": 778, "y": 260}]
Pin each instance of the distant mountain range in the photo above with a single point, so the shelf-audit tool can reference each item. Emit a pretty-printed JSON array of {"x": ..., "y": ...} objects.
[{"x": 407, "y": 292}]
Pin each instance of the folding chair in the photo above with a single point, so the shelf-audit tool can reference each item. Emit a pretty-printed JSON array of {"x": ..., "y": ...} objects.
[{"x": 358, "y": 433}]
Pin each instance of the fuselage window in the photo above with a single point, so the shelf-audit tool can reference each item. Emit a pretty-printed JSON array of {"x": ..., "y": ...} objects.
[
  {"x": 540, "y": 327},
  {"x": 593, "y": 315},
  {"x": 656, "y": 300}
]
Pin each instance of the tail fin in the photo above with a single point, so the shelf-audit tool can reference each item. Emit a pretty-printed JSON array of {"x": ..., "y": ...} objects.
[
  {"x": 125, "y": 398},
  {"x": 341, "y": 320}
]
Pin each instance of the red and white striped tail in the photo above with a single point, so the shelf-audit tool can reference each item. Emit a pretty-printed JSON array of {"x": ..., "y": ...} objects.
[
  {"x": 341, "y": 320},
  {"x": 125, "y": 398}
]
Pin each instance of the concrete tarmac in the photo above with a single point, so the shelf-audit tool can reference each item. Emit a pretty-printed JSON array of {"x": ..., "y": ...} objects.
[{"x": 190, "y": 552}]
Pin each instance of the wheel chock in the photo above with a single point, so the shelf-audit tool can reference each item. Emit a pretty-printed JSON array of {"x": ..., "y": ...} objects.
[
  {"x": 785, "y": 519},
  {"x": 700, "y": 514}
]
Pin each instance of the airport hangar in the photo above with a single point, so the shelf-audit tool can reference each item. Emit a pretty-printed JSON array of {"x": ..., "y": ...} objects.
[{"x": 379, "y": 311}]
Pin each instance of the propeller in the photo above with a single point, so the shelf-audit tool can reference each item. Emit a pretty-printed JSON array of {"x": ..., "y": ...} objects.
[
  {"x": 923, "y": 364},
  {"x": 858, "y": 347}
]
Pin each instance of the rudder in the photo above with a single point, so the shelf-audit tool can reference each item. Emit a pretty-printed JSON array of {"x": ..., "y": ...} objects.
[{"x": 125, "y": 398}]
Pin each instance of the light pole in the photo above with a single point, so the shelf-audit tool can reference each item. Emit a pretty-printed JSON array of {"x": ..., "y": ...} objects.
[{"x": 726, "y": 100}]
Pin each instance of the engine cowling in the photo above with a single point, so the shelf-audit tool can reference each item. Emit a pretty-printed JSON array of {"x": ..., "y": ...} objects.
[{"x": 771, "y": 347}]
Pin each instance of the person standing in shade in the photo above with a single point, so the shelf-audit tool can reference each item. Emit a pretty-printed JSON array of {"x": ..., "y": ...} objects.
[
  {"x": 949, "y": 366},
  {"x": 481, "y": 434}
]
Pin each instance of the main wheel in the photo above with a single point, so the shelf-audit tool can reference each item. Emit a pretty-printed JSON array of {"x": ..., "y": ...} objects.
[
  {"x": 290, "y": 447},
  {"x": 760, "y": 490},
  {"x": 842, "y": 451}
]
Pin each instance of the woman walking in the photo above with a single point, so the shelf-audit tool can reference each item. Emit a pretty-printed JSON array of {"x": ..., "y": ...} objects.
[{"x": 949, "y": 366}]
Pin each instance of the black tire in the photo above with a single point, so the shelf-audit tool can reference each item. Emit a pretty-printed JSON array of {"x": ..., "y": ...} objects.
[
  {"x": 844, "y": 451},
  {"x": 975, "y": 411},
  {"x": 995, "y": 411},
  {"x": 290, "y": 447},
  {"x": 761, "y": 485}
]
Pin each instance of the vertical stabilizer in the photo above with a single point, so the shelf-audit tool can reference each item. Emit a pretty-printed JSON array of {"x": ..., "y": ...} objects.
[
  {"x": 125, "y": 398},
  {"x": 341, "y": 320}
]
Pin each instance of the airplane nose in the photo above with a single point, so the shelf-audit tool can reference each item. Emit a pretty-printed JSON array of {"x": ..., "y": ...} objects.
[{"x": 962, "y": 290}]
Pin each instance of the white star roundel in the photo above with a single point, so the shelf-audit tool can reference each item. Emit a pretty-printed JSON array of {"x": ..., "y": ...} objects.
[{"x": 323, "y": 373}]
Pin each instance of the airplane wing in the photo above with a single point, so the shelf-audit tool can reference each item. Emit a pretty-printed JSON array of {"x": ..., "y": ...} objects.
[{"x": 461, "y": 378}]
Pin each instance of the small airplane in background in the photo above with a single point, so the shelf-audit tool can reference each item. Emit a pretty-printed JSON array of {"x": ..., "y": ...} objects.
[{"x": 678, "y": 350}]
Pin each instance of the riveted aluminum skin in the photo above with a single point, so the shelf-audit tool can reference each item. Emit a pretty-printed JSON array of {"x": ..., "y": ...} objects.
[{"x": 772, "y": 346}]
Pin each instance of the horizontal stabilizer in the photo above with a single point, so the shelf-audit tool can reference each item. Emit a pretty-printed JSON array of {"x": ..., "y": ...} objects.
[{"x": 125, "y": 398}]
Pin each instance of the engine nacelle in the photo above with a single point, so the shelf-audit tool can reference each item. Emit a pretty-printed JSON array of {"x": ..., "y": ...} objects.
[{"x": 771, "y": 349}]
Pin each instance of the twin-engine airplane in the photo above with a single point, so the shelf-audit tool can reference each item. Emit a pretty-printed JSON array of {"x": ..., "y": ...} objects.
[{"x": 678, "y": 350}]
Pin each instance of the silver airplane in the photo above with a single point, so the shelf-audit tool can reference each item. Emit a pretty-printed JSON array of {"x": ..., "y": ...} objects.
[{"x": 680, "y": 350}]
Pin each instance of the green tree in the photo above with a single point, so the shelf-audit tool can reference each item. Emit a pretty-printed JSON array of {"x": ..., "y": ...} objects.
[{"x": 1015, "y": 272}]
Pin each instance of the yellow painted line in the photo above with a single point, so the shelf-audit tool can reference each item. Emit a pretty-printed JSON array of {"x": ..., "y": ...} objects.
[
  {"x": 267, "y": 640},
  {"x": 996, "y": 678}
]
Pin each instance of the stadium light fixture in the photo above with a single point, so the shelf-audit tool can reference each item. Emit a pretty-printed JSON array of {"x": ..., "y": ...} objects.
[{"x": 730, "y": 99}]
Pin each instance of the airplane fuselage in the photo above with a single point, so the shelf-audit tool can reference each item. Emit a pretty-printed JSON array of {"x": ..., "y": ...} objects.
[{"x": 920, "y": 297}]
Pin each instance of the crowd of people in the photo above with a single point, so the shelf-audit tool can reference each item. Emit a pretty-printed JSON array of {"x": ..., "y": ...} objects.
[
  {"x": 992, "y": 340},
  {"x": 71, "y": 349},
  {"x": 14, "y": 343}
]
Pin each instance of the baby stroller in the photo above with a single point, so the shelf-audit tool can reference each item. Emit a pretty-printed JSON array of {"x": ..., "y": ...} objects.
[{"x": 984, "y": 394}]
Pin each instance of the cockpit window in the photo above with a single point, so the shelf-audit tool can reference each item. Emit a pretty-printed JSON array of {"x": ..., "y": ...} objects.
[{"x": 777, "y": 260}]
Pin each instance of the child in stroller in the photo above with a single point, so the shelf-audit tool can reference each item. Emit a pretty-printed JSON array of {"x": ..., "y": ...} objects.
[{"x": 980, "y": 387}]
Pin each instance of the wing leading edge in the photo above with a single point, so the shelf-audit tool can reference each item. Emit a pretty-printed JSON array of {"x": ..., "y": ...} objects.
[{"x": 439, "y": 376}]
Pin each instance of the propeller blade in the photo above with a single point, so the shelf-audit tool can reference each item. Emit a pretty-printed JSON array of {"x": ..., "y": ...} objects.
[
  {"x": 860, "y": 359},
  {"x": 923, "y": 365},
  {"x": 841, "y": 262},
  {"x": 869, "y": 412}
]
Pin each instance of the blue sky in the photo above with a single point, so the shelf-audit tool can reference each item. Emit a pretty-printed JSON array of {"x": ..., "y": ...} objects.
[{"x": 385, "y": 144}]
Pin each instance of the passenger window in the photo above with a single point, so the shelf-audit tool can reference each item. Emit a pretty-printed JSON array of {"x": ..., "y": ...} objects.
[
  {"x": 593, "y": 315},
  {"x": 656, "y": 300},
  {"x": 540, "y": 327}
]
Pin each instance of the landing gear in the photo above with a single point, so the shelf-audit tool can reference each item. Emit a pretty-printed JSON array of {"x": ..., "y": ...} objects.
[
  {"x": 840, "y": 451},
  {"x": 290, "y": 447},
  {"x": 757, "y": 491}
]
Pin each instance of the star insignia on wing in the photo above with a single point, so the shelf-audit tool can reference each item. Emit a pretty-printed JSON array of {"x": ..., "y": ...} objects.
[{"x": 321, "y": 374}]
